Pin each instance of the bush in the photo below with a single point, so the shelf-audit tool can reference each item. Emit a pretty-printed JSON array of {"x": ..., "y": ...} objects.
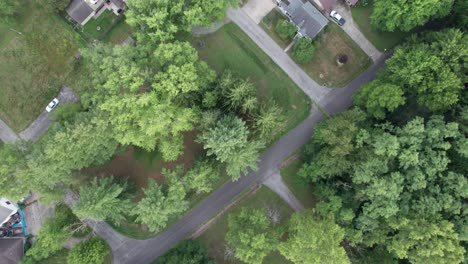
[
  {"x": 187, "y": 252},
  {"x": 285, "y": 29},
  {"x": 92, "y": 251},
  {"x": 303, "y": 50}
]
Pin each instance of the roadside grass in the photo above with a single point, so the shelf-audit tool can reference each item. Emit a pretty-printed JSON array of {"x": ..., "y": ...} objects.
[
  {"x": 329, "y": 44},
  {"x": 213, "y": 237},
  {"x": 298, "y": 186},
  {"x": 268, "y": 24},
  {"x": 34, "y": 64},
  {"x": 381, "y": 40},
  {"x": 119, "y": 32},
  {"x": 230, "y": 48}
]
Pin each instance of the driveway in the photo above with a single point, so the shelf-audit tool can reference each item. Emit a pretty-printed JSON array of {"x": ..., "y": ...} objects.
[
  {"x": 257, "y": 9},
  {"x": 7, "y": 135},
  {"x": 275, "y": 183},
  {"x": 352, "y": 29},
  {"x": 43, "y": 121}
]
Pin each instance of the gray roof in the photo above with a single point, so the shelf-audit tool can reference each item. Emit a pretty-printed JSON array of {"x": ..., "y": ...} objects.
[
  {"x": 11, "y": 250},
  {"x": 4, "y": 213},
  {"x": 309, "y": 20},
  {"x": 79, "y": 10}
]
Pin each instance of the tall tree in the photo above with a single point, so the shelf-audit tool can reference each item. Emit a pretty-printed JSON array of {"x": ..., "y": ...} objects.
[
  {"x": 103, "y": 199},
  {"x": 161, "y": 203},
  {"x": 92, "y": 251},
  {"x": 268, "y": 121},
  {"x": 312, "y": 239},
  {"x": 377, "y": 98},
  {"x": 251, "y": 235},
  {"x": 202, "y": 176},
  {"x": 405, "y": 15},
  {"x": 186, "y": 252},
  {"x": 12, "y": 163},
  {"x": 228, "y": 142},
  {"x": 205, "y": 12}
]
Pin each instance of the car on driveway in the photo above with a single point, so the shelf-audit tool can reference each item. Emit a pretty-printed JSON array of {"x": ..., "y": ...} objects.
[
  {"x": 337, "y": 17},
  {"x": 52, "y": 105}
]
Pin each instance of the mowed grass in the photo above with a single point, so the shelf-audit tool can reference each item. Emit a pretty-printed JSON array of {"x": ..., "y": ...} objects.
[
  {"x": 120, "y": 32},
  {"x": 97, "y": 28},
  {"x": 230, "y": 48},
  {"x": 381, "y": 40},
  {"x": 269, "y": 23},
  {"x": 323, "y": 67},
  {"x": 213, "y": 238},
  {"x": 298, "y": 186},
  {"x": 34, "y": 64}
]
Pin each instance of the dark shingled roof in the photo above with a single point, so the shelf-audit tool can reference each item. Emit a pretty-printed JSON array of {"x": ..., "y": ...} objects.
[
  {"x": 79, "y": 10},
  {"x": 352, "y": 2},
  {"x": 11, "y": 250},
  {"x": 309, "y": 19},
  {"x": 328, "y": 4}
]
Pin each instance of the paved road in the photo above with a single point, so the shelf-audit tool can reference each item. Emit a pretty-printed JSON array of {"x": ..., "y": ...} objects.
[
  {"x": 7, "y": 135},
  {"x": 43, "y": 121},
  {"x": 256, "y": 33},
  {"x": 275, "y": 183},
  {"x": 352, "y": 29}
]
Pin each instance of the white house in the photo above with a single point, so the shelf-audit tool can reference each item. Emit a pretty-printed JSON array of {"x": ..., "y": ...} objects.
[{"x": 7, "y": 209}]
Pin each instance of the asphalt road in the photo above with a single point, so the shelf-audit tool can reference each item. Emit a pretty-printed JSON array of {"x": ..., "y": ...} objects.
[{"x": 6, "y": 133}]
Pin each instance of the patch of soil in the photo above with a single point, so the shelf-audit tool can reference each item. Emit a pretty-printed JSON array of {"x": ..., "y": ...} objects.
[{"x": 138, "y": 171}]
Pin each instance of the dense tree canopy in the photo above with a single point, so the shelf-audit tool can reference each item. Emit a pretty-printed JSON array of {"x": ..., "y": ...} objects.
[
  {"x": 303, "y": 50},
  {"x": 313, "y": 240},
  {"x": 8, "y": 8},
  {"x": 378, "y": 98},
  {"x": 405, "y": 15},
  {"x": 251, "y": 235},
  {"x": 92, "y": 251},
  {"x": 186, "y": 252}
]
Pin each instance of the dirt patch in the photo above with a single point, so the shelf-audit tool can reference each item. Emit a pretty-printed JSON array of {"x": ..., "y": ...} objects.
[{"x": 138, "y": 166}]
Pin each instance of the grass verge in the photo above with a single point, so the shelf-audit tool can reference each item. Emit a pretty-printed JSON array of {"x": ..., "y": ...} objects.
[{"x": 298, "y": 186}]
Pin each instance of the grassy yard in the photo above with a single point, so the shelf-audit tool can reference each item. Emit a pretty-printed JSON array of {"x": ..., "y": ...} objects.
[
  {"x": 331, "y": 43},
  {"x": 301, "y": 189},
  {"x": 34, "y": 64},
  {"x": 230, "y": 48},
  {"x": 213, "y": 238},
  {"x": 99, "y": 27},
  {"x": 118, "y": 33},
  {"x": 269, "y": 23},
  {"x": 381, "y": 40}
]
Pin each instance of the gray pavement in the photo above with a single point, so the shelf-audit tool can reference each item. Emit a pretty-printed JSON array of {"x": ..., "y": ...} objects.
[
  {"x": 43, "y": 121},
  {"x": 275, "y": 183},
  {"x": 7, "y": 135},
  {"x": 276, "y": 53},
  {"x": 257, "y": 9},
  {"x": 352, "y": 29}
]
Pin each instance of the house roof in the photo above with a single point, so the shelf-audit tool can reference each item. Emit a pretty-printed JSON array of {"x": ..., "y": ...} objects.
[
  {"x": 4, "y": 213},
  {"x": 79, "y": 10},
  {"x": 328, "y": 4},
  {"x": 309, "y": 20},
  {"x": 11, "y": 250},
  {"x": 352, "y": 2}
]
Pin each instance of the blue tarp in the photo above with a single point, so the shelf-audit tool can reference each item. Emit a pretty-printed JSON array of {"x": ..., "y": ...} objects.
[{"x": 23, "y": 222}]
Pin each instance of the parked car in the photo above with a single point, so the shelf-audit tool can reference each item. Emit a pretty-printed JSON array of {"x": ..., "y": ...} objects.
[
  {"x": 51, "y": 106},
  {"x": 337, "y": 17}
]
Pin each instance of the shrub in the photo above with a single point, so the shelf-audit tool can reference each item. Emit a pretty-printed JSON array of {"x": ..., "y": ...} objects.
[
  {"x": 92, "y": 251},
  {"x": 303, "y": 50},
  {"x": 285, "y": 29}
]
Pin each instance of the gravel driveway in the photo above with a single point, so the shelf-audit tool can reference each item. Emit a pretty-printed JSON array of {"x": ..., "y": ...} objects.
[{"x": 257, "y": 9}]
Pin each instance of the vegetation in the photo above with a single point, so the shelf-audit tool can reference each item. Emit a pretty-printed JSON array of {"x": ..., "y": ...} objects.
[
  {"x": 8, "y": 8},
  {"x": 285, "y": 29},
  {"x": 269, "y": 24},
  {"x": 303, "y": 50},
  {"x": 186, "y": 252},
  {"x": 404, "y": 15},
  {"x": 92, "y": 251}
]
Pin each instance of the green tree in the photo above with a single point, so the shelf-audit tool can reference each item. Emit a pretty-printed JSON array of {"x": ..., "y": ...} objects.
[
  {"x": 161, "y": 203},
  {"x": 205, "y": 12},
  {"x": 228, "y": 142},
  {"x": 92, "y": 251},
  {"x": 251, "y": 235},
  {"x": 186, "y": 252},
  {"x": 66, "y": 113},
  {"x": 8, "y": 8},
  {"x": 405, "y": 15},
  {"x": 53, "y": 234},
  {"x": 303, "y": 50},
  {"x": 377, "y": 98},
  {"x": 241, "y": 97},
  {"x": 312, "y": 239},
  {"x": 202, "y": 176},
  {"x": 12, "y": 162},
  {"x": 54, "y": 5},
  {"x": 268, "y": 121},
  {"x": 285, "y": 29},
  {"x": 103, "y": 199}
]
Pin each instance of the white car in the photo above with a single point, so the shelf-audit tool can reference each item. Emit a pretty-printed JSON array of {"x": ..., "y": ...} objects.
[
  {"x": 337, "y": 17},
  {"x": 51, "y": 106},
  {"x": 94, "y": 1}
]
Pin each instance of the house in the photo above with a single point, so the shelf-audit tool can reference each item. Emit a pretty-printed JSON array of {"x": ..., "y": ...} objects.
[
  {"x": 308, "y": 20},
  {"x": 83, "y": 10},
  {"x": 7, "y": 210},
  {"x": 11, "y": 250}
]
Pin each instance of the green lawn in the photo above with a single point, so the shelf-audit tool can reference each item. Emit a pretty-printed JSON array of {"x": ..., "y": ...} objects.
[
  {"x": 230, "y": 48},
  {"x": 381, "y": 40},
  {"x": 269, "y": 23},
  {"x": 301, "y": 189},
  {"x": 329, "y": 44},
  {"x": 34, "y": 64},
  {"x": 118, "y": 33},
  {"x": 213, "y": 238},
  {"x": 99, "y": 27}
]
